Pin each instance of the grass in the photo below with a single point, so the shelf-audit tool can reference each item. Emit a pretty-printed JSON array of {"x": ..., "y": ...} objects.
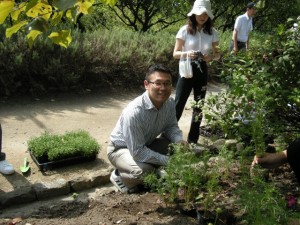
[{"x": 53, "y": 147}]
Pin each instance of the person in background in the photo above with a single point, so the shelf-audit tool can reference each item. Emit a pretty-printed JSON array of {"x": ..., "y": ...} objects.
[
  {"x": 242, "y": 28},
  {"x": 198, "y": 40},
  {"x": 136, "y": 144},
  {"x": 5, "y": 167},
  {"x": 273, "y": 160}
]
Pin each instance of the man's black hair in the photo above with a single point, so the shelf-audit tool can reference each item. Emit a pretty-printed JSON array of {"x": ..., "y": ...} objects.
[
  {"x": 158, "y": 68},
  {"x": 251, "y": 5}
]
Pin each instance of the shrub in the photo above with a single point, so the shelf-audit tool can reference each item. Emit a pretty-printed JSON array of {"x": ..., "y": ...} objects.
[
  {"x": 263, "y": 91},
  {"x": 102, "y": 58}
]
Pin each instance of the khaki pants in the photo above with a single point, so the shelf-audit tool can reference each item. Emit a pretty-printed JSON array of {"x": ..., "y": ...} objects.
[{"x": 130, "y": 170}]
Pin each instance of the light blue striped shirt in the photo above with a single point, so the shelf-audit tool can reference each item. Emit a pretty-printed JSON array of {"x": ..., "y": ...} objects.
[{"x": 140, "y": 123}]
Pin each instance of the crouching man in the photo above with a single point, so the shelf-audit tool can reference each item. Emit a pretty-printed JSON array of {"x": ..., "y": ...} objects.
[{"x": 136, "y": 144}]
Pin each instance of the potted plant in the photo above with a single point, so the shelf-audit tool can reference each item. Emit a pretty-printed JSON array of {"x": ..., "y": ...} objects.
[{"x": 53, "y": 150}]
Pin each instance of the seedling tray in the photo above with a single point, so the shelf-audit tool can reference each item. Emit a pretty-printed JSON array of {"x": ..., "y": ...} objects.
[{"x": 44, "y": 166}]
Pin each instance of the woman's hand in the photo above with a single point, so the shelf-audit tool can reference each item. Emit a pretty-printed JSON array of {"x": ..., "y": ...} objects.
[{"x": 192, "y": 54}]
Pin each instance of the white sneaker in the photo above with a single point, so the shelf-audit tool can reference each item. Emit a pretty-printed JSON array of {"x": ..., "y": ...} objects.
[
  {"x": 117, "y": 181},
  {"x": 6, "y": 168}
]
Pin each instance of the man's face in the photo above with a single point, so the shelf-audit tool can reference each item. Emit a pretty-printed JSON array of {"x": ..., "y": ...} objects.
[
  {"x": 159, "y": 87},
  {"x": 251, "y": 11}
]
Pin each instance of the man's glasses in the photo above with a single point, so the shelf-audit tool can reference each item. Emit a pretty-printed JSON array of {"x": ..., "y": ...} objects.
[{"x": 160, "y": 84}]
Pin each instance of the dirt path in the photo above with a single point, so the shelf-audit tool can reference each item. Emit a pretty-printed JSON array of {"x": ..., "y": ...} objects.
[{"x": 25, "y": 118}]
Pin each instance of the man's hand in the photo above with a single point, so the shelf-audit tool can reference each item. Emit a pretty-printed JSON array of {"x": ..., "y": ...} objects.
[{"x": 235, "y": 50}]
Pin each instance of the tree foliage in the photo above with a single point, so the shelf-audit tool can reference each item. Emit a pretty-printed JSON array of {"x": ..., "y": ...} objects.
[
  {"x": 151, "y": 15},
  {"x": 36, "y": 17},
  {"x": 157, "y": 15}
]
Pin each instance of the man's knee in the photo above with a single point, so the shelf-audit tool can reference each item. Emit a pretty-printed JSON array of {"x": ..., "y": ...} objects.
[{"x": 136, "y": 172}]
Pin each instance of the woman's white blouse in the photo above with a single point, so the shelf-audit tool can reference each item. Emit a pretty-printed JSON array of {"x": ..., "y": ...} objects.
[{"x": 198, "y": 42}]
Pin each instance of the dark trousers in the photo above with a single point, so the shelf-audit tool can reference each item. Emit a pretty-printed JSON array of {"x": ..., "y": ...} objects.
[
  {"x": 240, "y": 45},
  {"x": 183, "y": 89},
  {"x": 293, "y": 155}
]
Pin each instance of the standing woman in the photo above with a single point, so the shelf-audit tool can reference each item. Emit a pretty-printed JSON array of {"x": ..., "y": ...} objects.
[{"x": 197, "y": 35}]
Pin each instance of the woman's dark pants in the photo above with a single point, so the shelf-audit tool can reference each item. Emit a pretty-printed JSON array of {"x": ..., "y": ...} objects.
[{"x": 184, "y": 87}]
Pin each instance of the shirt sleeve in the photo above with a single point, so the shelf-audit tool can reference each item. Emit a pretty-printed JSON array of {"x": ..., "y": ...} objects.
[
  {"x": 181, "y": 34},
  {"x": 237, "y": 24},
  {"x": 134, "y": 137}
]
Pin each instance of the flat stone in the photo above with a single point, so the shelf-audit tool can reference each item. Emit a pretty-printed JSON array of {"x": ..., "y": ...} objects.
[
  {"x": 96, "y": 178},
  {"x": 219, "y": 144},
  {"x": 52, "y": 189}
]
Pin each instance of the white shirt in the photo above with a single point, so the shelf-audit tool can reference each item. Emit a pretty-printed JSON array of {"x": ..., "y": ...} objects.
[
  {"x": 198, "y": 42},
  {"x": 243, "y": 25}
]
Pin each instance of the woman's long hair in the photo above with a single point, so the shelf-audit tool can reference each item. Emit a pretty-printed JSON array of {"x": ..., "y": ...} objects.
[{"x": 192, "y": 25}]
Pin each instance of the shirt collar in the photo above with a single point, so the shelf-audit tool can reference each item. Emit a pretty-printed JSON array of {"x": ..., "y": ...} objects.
[
  {"x": 248, "y": 17},
  {"x": 148, "y": 103}
]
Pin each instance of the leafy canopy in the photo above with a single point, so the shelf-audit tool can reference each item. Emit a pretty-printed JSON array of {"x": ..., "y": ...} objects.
[{"x": 36, "y": 17}]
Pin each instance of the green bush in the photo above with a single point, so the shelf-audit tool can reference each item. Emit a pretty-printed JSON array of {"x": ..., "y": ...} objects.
[
  {"x": 103, "y": 58},
  {"x": 263, "y": 94},
  {"x": 99, "y": 59},
  {"x": 51, "y": 147}
]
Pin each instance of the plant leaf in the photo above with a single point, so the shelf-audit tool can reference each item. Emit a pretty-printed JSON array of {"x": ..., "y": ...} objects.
[
  {"x": 31, "y": 4},
  {"x": 14, "y": 29},
  {"x": 110, "y": 2},
  {"x": 84, "y": 7},
  {"x": 56, "y": 17},
  {"x": 39, "y": 24},
  {"x": 280, "y": 29},
  {"x": 15, "y": 14},
  {"x": 72, "y": 15},
  {"x": 64, "y": 4},
  {"x": 40, "y": 9},
  {"x": 62, "y": 38},
  {"x": 32, "y": 36},
  {"x": 5, "y": 8}
]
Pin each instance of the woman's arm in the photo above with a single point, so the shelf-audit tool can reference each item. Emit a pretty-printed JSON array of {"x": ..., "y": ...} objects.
[{"x": 178, "y": 49}]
